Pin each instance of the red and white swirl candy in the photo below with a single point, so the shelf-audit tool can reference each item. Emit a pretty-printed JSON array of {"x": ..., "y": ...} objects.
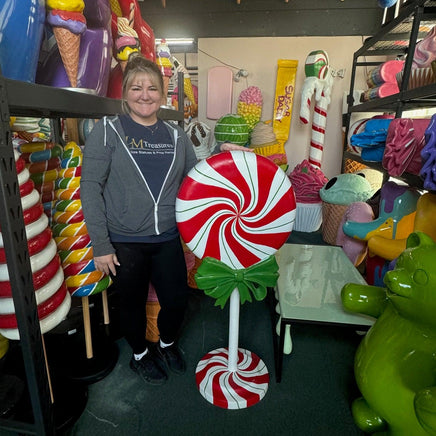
[
  {"x": 242, "y": 388},
  {"x": 237, "y": 207},
  {"x": 53, "y": 302}
]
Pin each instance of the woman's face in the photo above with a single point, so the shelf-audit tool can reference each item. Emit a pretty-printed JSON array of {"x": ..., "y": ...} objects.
[{"x": 144, "y": 99}]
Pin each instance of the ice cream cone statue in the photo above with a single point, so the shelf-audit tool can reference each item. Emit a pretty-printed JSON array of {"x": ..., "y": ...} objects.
[
  {"x": 68, "y": 23},
  {"x": 318, "y": 81},
  {"x": 163, "y": 59},
  {"x": 126, "y": 43},
  {"x": 188, "y": 89}
]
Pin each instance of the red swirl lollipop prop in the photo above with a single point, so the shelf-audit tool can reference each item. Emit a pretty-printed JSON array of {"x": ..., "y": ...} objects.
[{"x": 235, "y": 210}]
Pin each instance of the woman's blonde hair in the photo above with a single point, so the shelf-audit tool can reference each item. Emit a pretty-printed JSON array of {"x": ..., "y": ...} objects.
[{"x": 137, "y": 63}]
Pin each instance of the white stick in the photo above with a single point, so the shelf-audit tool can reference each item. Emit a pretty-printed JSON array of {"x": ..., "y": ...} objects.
[{"x": 234, "y": 330}]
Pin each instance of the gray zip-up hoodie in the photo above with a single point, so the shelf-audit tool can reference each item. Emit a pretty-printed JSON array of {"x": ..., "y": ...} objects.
[{"x": 115, "y": 195}]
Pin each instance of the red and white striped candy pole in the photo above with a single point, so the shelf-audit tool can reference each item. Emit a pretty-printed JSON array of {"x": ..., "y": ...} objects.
[
  {"x": 318, "y": 80},
  {"x": 319, "y": 122},
  {"x": 238, "y": 208}
]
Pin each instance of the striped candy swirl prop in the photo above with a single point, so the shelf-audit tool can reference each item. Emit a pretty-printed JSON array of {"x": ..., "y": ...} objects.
[
  {"x": 72, "y": 239},
  {"x": 235, "y": 210},
  {"x": 69, "y": 225},
  {"x": 43, "y": 162},
  {"x": 237, "y": 207},
  {"x": 53, "y": 302}
]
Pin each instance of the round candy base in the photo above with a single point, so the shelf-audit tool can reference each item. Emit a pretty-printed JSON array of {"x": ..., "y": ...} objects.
[{"x": 232, "y": 389}]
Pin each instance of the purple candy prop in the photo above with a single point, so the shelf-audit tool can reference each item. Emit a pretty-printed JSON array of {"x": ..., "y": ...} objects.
[{"x": 428, "y": 154}]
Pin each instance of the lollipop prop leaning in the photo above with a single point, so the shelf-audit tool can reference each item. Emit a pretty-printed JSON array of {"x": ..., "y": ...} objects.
[{"x": 235, "y": 210}]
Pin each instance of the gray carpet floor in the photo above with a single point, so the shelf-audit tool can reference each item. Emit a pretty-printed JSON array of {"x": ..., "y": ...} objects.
[{"x": 313, "y": 398}]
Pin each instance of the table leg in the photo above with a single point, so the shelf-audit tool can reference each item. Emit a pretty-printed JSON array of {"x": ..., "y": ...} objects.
[{"x": 280, "y": 351}]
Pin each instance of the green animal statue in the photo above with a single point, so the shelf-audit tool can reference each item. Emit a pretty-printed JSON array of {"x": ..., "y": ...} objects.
[{"x": 395, "y": 364}]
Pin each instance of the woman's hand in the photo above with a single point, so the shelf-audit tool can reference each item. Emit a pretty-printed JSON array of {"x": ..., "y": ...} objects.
[
  {"x": 228, "y": 146},
  {"x": 106, "y": 263}
]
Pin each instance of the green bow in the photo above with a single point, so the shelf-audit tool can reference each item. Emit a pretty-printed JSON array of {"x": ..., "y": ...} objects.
[{"x": 219, "y": 280}]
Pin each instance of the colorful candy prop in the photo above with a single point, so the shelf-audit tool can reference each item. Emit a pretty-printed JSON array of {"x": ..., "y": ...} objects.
[
  {"x": 43, "y": 163},
  {"x": 390, "y": 249},
  {"x": 142, "y": 39},
  {"x": 250, "y": 105},
  {"x": 232, "y": 128},
  {"x": 73, "y": 242},
  {"x": 47, "y": 274},
  {"x": 396, "y": 216},
  {"x": 68, "y": 24},
  {"x": 319, "y": 81},
  {"x": 235, "y": 210},
  {"x": 187, "y": 86},
  {"x": 201, "y": 138},
  {"x": 126, "y": 42},
  {"x": 95, "y": 46},
  {"x": 163, "y": 60}
]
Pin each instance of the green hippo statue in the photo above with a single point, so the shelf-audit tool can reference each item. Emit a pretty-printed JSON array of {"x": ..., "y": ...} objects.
[{"x": 395, "y": 364}]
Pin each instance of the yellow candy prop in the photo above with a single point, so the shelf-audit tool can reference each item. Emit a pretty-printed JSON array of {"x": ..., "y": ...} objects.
[
  {"x": 424, "y": 222},
  {"x": 189, "y": 90},
  {"x": 284, "y": 98}
]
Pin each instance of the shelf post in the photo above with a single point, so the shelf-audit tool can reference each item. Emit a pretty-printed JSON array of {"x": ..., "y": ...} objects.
[{"x": 20, "y": 277}]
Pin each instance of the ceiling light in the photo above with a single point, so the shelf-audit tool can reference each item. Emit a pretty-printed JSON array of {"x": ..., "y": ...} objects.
[{"x": 176, "y": 41}]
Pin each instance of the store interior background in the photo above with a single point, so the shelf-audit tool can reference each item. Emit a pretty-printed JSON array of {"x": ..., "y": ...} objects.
[{"x": 254, "y": 35}]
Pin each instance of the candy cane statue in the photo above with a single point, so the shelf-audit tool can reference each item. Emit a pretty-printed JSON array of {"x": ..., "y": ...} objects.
[
  {"x": 319, "y": 81},
  {"x": 235, "y": 210}
]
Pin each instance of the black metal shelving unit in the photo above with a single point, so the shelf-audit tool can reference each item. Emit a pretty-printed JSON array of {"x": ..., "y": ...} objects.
[
  {"x": 28, "y": 99},
  {"x": 396, "y": 38}
]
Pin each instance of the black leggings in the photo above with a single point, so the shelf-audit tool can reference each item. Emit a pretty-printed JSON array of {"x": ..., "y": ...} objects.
[{"x": 164, "y": 265}]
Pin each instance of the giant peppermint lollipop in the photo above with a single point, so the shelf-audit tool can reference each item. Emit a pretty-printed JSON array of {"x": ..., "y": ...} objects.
[{"x": 235, "y": 210}]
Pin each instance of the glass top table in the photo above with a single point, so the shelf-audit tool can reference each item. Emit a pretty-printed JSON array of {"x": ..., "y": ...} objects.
[{"x": 309, "y": 290}]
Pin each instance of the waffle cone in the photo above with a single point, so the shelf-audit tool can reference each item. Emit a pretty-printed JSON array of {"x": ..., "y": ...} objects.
[
  {"x": 331, "y": 218},
  {"x": 352, "y": 166},
  {"x": 122, "y": 65},
  {"x": 69, "y": 46},
  {"x": 166, "y": 83}
]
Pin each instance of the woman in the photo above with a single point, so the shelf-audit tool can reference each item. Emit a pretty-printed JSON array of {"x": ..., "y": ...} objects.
[{"x": 133, "y": 165}]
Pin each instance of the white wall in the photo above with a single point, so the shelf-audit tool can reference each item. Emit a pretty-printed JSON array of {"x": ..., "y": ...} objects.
[{"x": 259, "y": 57}]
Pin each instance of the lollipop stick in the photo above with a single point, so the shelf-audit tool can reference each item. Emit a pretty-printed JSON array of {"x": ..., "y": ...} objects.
[
  {"x": 105, "y": 307},
  {"x": 48, "y": 371},
  {"x": 234, "y": 330},
  {"x": 87, "y": 325}
]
